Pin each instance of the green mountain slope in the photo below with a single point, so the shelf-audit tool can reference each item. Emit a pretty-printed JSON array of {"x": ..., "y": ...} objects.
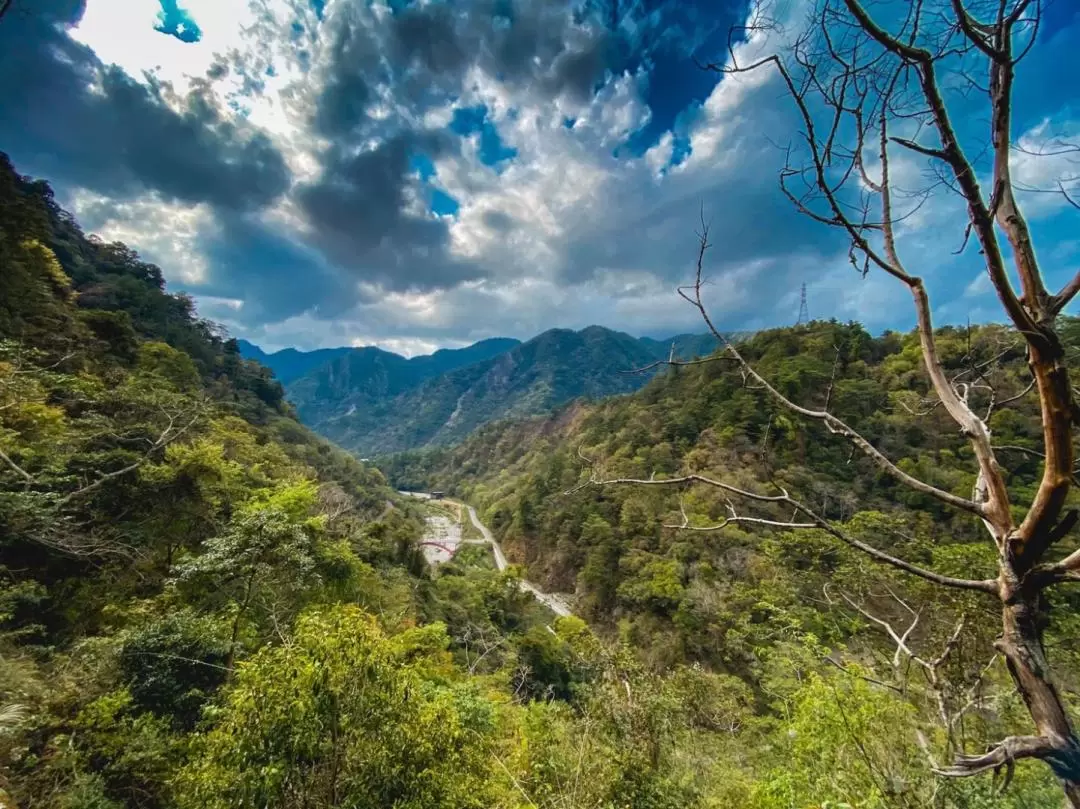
[
  {"x": 609, "y": 544},
  {"x": 165, "y": 521},
  {"x": 550, "y": 369},
  {"x": 372, "y": 416},
  {"x": 770, "y": 605}
]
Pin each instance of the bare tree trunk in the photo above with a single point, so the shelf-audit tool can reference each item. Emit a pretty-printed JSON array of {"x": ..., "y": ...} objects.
[{"x": 1021, "y": 643}]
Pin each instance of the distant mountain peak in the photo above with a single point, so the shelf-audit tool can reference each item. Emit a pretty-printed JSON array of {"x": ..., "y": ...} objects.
[{"x": 385, "y": 403}]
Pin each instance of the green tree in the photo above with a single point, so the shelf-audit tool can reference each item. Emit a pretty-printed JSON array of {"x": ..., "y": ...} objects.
[
  {"x": 344, "y": 716},
  {"x": 268, "y": 554}
]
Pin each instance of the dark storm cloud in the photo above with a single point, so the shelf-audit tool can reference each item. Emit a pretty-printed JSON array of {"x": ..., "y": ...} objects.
[
  {"x": 418, "y": 57},
  {"x": 81, "y": 123},
  {"x": 422, "y": 53},
  {"x": 353, "y": 68},
  {"x": 274, "y": 276},
  {"x": 433, "y": 37},
  {"x": 342, "y": 105},
  {"x": 576, "y": 72},
  {"x": 362, "y": 85},
  {"x": 357, "y": 211}
]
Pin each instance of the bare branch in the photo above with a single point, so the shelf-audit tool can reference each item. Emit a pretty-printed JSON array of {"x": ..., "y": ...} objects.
[
  {"x": 863, "y": 677},
  {"x": 976, "y": 32},
  {"x": 997, "y": 405},
  {"x": 929, "y": 151},
  {"x": 886, "y": 40},
  {"x": 833, "y": 423},
  {"x": 815, "y": 521},
  {"x": 676, "y": 363},
  {"x": 898, "y": 639},
  {"x": 170, "y": 434},
  {"x": 1068, "y": 292},
  {"x": 26, "y": 476},
  {"x": 1003, "y": 755},
  {"x": 734, "y": 519},
  {"x": 1068, "y": 197}
]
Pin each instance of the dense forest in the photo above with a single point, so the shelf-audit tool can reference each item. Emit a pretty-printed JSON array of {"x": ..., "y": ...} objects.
[
  {"x": 203, "y": 604},
  {"x": 757, "y": 602}
]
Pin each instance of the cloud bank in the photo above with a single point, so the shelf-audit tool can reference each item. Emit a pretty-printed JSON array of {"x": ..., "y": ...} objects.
[{"x": 425, "y": 174}]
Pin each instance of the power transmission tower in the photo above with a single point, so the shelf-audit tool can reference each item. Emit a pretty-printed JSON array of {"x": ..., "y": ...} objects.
[{"x": 804, "y": 313}]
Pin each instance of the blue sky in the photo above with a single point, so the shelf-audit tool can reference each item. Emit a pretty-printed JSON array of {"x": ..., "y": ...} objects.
[{"x": 425, "y": 174}]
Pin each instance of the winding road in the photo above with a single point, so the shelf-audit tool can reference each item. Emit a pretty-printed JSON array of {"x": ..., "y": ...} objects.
[
  {"x": 443, "y": 538},
  {"x": 556, "y": 603}
]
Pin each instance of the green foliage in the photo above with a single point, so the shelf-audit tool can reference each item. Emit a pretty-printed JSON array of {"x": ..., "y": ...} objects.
[
  {"x": 763, "y": 605},
  {"x": 707, "y": 596},
  {"x": 162, "y": 516},
  {"x": 173, "y": 665},
  {"x": 203, "y": 604},
  {"x": 373, "y": 402},
  {"x": 345, "y": 716}
]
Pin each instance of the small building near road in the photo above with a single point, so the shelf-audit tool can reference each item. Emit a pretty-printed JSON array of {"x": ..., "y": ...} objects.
[{"x": 438, "y": 495}]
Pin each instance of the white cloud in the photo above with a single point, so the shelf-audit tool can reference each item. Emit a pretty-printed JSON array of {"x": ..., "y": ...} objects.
[
  {"x": 573, "y": 230},
  {"x": 167, "y": 234},
  {"x": 1046, "y": 160}
]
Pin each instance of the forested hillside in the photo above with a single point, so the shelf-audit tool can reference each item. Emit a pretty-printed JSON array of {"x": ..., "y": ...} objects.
[
  {"x": 364, "y": 398},
  {"x": 760, "y": 602},
  {"x": 609, "y": 543},
  {"x": 370, "y": 405},
  {"x": 202, "y": 604}
]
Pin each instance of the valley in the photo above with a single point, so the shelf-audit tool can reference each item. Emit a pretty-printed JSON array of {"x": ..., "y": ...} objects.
[
  {"x": 495, "y": 404},
  {"x": 373, "y": 402},
  {"x": 442, "y": 538}
]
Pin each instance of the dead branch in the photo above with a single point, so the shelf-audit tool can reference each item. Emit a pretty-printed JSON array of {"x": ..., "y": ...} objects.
[
  {"x": 674, "y": 363},
  {"x": 171, "y": 433},
  {"x": 814, "y": 520},
  {"x": 833, "y": 423},
  {"x": 1003, "y": 755},
  {"x": 26, "y": 476}
]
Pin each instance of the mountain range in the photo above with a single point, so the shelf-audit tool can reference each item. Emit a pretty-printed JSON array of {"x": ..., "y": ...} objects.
[{"x": 373, "y": 401}]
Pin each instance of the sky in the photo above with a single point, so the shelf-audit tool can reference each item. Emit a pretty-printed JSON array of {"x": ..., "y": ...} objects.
[{"x": 418, "y": 175}]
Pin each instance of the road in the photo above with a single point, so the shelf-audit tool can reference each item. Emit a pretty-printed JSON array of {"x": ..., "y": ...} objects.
[
  {"x": 443, "y": 533},
  {"x": 553, "y": 601}
]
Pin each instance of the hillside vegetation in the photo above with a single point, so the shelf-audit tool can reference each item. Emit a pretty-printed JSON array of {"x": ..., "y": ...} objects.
[
  {"x": 531, "y": 477},
  {"x": 751, "y": 601},
  {"x": 203, "y": 605},
  {"x": 371, "y": 401}
]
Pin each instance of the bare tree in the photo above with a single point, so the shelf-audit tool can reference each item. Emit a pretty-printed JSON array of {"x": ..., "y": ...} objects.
[{"x": 871, "y": 97}]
